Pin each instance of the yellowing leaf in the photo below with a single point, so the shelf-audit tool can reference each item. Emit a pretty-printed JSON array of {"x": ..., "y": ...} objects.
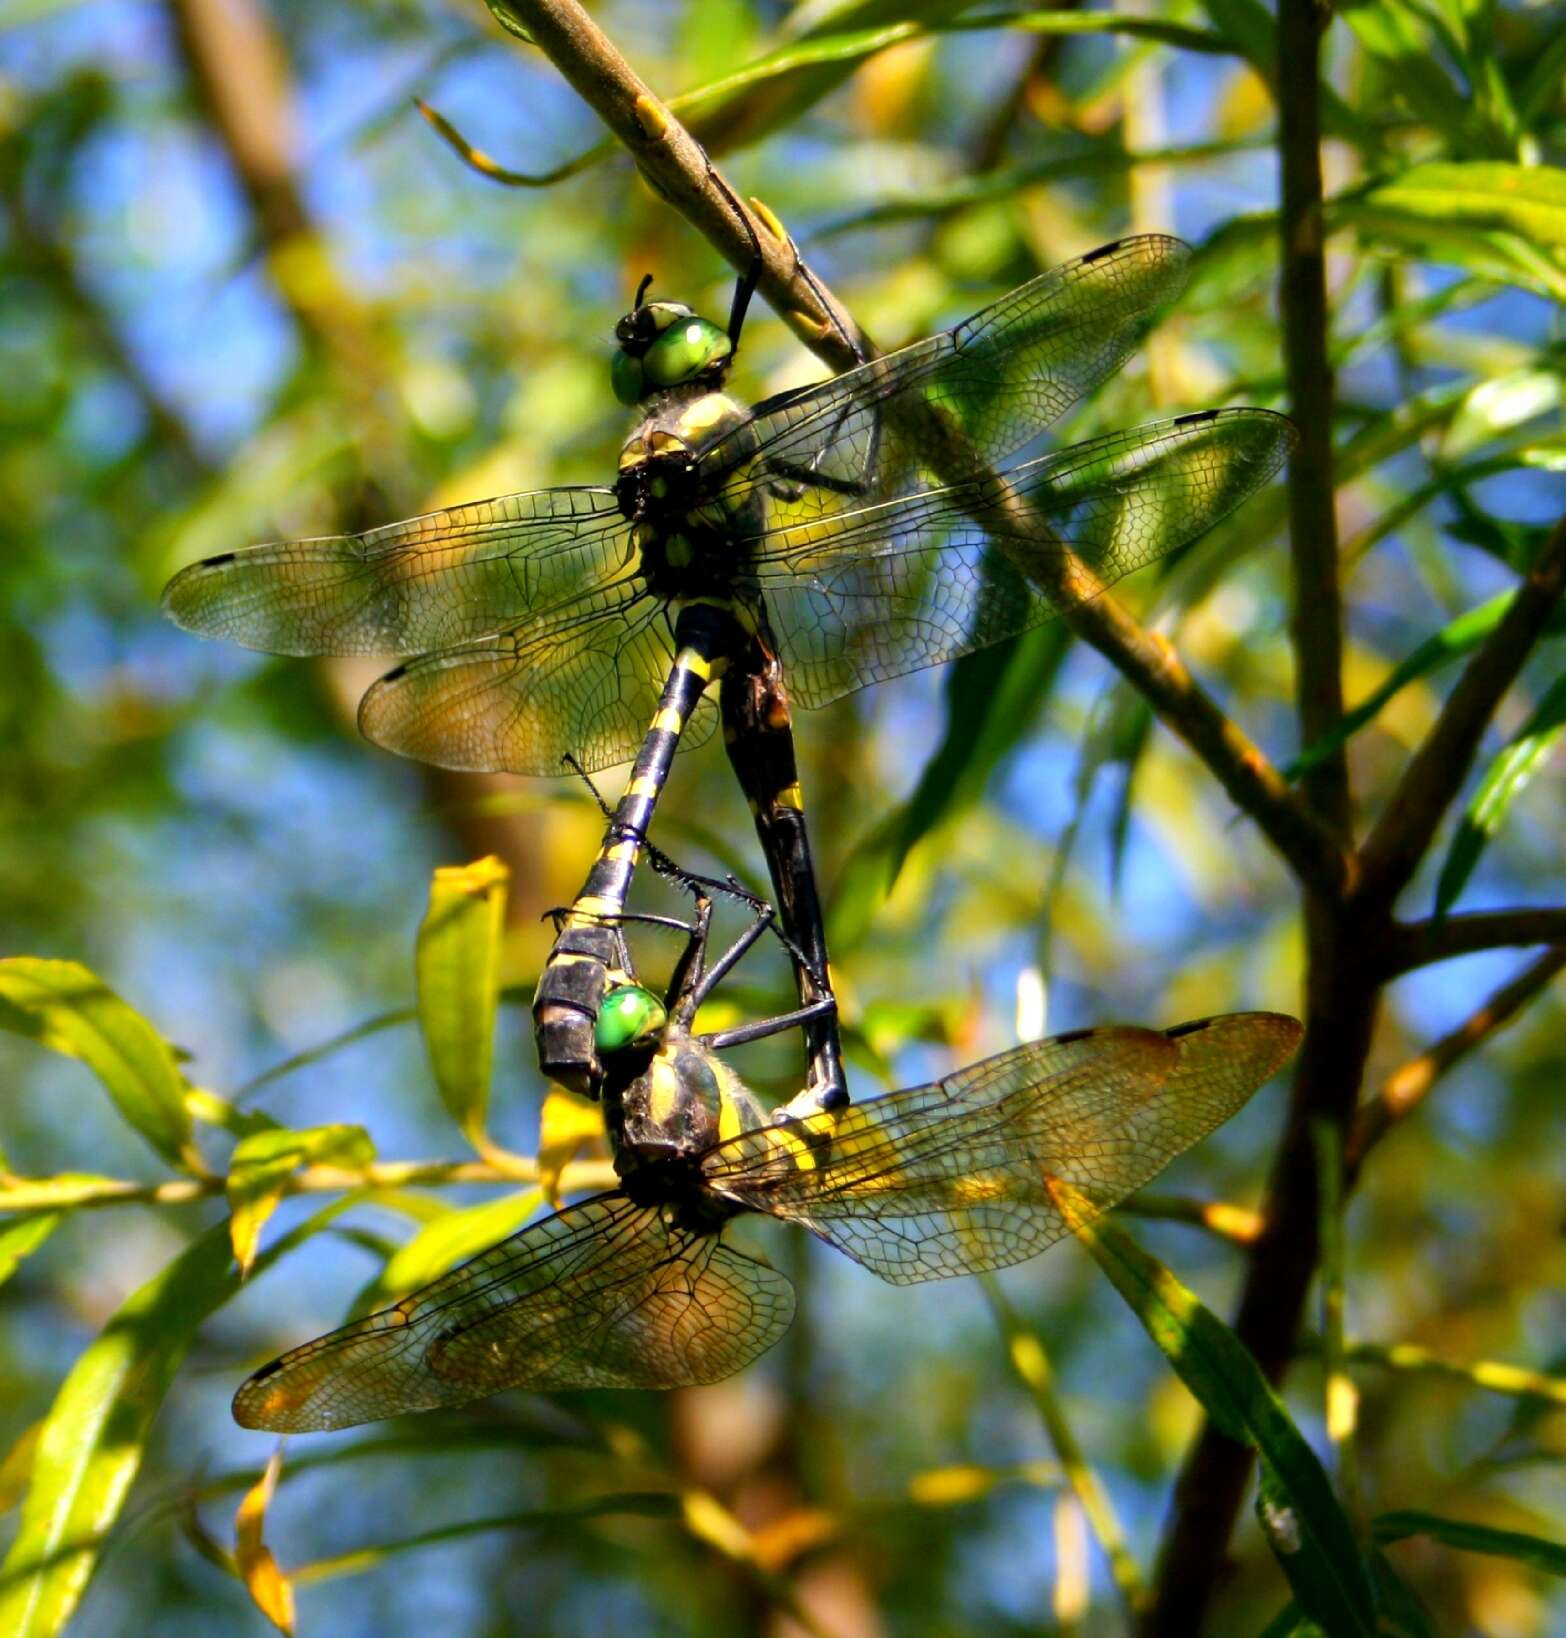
[
  {"x": 262, "y": 1165},
  {"x": 266, "y": 1584},
  {"x": 63, "y": 1005},
  {"x": 457, "y": 962},
  {"x": 567, "y": 1125}
]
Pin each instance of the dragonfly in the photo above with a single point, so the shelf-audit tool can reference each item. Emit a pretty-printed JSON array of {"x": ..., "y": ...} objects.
[
  {"x": 641, "y": 1287},
  {"x": 791, "y": 551}
]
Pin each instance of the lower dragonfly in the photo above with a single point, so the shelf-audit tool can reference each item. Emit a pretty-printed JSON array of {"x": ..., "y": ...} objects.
[
  {"x": 827, "y": 538},
  {"x": 639, "y": 1288}
]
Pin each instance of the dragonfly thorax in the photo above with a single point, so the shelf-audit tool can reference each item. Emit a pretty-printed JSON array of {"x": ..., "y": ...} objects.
[
  {"x": 675, "y": 485},
  {"x": 664, "y": 1108}
]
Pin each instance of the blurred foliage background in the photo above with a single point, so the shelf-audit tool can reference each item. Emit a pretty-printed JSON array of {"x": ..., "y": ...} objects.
[{"x": 246, "y": 292}]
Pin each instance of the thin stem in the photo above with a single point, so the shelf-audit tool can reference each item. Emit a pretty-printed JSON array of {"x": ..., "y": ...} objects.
[
  {"x": 1342, "y": 1397},
  {"x": 69, "y": 1193},
  {"x": 1408, "y": 1086},
  {"x": 1317, "y": 623},
  {"x": 1444, "y": 938},
  {"x": 1032, "y": 1365}
]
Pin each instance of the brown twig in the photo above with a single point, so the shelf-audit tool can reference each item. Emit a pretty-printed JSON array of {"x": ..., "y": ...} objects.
[
  {"x": 1317, "y": 621},
  {"x": 1411, "y": 944},
  {"x": 1406, "y": 1087},
  {"x": 1341, "y": 984},
  {"x": 1436, "y": 772},
  {"x": 676, "y": 166}
]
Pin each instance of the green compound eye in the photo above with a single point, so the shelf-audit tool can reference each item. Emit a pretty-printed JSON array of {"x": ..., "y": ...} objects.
[
  {"x": 684, "y": 350},
  {"x": 625, "y": 374},
  {"x": 629, "y": 1016}
]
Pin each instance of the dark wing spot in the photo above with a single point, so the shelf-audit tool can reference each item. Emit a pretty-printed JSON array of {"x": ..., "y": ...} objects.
[{"x": 1195, "y": 419}]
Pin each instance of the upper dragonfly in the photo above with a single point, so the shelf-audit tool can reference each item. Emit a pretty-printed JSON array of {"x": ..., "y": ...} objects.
[
  {"x": 542, "y": 621},
  {"x": 825, "y": 539}
]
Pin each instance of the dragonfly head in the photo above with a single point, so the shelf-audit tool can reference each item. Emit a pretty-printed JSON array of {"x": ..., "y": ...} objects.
[
  {"x": 629, "y": 1018},
  {"x": 665, "y": 344}
]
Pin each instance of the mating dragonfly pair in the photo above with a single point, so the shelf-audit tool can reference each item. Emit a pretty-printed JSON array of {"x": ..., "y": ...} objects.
[{"x": 807, "y": 546}]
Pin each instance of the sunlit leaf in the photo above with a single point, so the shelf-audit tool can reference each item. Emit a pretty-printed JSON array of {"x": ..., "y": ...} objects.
[
  {"x": 61, "y": 1004},
  {"x": 24, "y": 1236},
  {"x": 1306, "y": 1527},
  {"x": 268, "y": 1587},
  {"x": 261, "y": 1165},
  {"x": 95, "y": 1434},
  {"x": 458, "y": 967},
  {"x": 1504, "y": 780}
]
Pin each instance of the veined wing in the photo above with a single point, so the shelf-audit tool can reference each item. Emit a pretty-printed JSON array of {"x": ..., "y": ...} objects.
[
  {"x": 991, "y": 385},
  {"x": 961, "y": 1175},
  {"x": 584, "y": 683},
  {"x": 603, "y": 1294},
  {"x": 409, "y": 587},
  {"x": 885, "y": 590}
]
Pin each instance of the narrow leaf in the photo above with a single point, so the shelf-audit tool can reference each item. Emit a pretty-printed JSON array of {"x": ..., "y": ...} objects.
[
  {"x": 1504, "y": 780},
  {"x": 21, "y": 1238},
  {"x": 458, "y": 966},
  {"x": 1534, "y": 1551},
  {"x": 1308, "y": 1530},
  {"x": 263, "y": 1163},
  {"x": 1457, "y": 638},
  {"x": 268, "y": 1587},
  {"x": 96, "y": 1431},
  {"x": 63, "y": 1005}
]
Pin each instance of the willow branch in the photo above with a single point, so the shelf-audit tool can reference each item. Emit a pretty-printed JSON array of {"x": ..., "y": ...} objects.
[
  {"x": 18, "y": 1195},
  {"x": 1408, "y": 1086},
  {"x": 677, "y": 167},
  {"x": 1317, "y": 619},
  {"x": 1341, "y": 990},
  {"x": 1444, "y": 938},
  {"x": 1436, "y": 773}
]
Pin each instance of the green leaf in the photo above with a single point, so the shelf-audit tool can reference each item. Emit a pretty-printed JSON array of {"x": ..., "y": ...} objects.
[
  {"x": 1504, "y": 780},
  {"x": 262, "y": 1164},
  {"x": 1307, "y": 1528},
  {"x": 1528, "y": 200},
  {"x": 1458, "y": 637},
  {"x": 458, "y": 966},
  {"x": 1534, "y": 1551},
  {"x": 61, "y": 1004},
  {"x": 21, "y": 1238},
  {"x": 96, "y": 1432}
]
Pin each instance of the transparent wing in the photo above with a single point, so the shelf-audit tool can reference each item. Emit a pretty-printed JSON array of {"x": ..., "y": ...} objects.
[
  {"x": 885, "y": 590},
  {"x": 996, "y": 382},
  {"x": 521, "y": 700},
  {"x": 603, "y": 1294},
  {"x": 424, "y": 583},
  {"x": 959, "y": 1175}
]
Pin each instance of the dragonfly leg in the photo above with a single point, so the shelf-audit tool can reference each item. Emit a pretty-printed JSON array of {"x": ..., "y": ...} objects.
[{"x": 741, "y": 1034}]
